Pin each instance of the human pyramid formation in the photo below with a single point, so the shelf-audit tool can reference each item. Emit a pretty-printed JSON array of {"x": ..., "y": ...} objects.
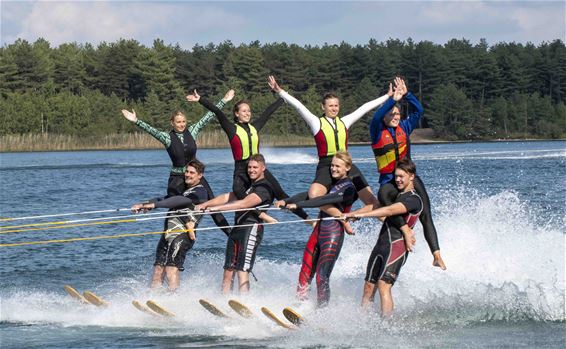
[{"x": 402, "y": 197}]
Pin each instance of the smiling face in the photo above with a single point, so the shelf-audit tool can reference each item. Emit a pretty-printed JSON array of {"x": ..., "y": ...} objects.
[
  {"x": 243, "y": 113},
  {"x": 404, "y": 180},
  {"x": 392, "y": 118},
  {"x": 338, "y": 168},
  {"x": 331, "y": 107},
  {"x": 179, "y": 123},
  {"x": 192, "y": 176},
  {"x": 255, "y": 170}
]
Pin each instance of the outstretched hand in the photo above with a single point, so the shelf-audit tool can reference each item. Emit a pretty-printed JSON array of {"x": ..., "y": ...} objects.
[
  {"x": 130, "y": 115},
  {"x": 273, "y": 85},
  {"x": 228, "y": 96},
  {"x": 194, "y": 97},
  {"x": 390, "y": 91},
  {"x": 398, "y": 91}
]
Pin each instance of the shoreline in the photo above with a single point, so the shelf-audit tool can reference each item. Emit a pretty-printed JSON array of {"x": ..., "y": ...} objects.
[{"x": 207, "y": 140}]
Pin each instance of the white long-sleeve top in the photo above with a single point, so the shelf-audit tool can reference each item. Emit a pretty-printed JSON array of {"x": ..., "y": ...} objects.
[{"x": 348, "y": 120}]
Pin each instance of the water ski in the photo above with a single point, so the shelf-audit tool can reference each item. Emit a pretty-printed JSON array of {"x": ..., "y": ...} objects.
[
  {"x": 75, "y": 294},
  {"x": 159, "y": 309},
  {"x": 213, "y": 309},
  {"x": 293, "y": 317},
  {"x": 240, "y": 308},
  {"x": 141, "y": 307},
  {"x": 275, "y": 319},
  {"x": 94, "y": 299}
]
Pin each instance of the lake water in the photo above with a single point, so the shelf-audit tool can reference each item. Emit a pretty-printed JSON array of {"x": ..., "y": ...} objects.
[{"x": 499, "y": 209}]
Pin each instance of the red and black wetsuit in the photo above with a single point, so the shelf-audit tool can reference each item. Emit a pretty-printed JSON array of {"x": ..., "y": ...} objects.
[
  {"x": 324, "y": 245},
  {"x": 244, "y": 142}
]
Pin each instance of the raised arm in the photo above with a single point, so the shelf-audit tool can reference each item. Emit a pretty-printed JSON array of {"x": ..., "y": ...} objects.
[
  {"x": 162, "y": 137},
  {"x": 351, "y": 118},
  {"x": 195, "y": 128},
  {"x": 225, "y": 123},
  {"x": 311, "y": 119},
  {"x": 415, "y": 112},
  {"x": 262, "y": 120}
]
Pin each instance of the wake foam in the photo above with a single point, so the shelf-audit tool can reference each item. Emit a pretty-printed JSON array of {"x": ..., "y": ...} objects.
[{"x": 502, "y": 266}]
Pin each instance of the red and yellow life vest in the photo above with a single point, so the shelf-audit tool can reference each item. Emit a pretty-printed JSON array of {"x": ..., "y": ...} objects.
[
  {"x": 244, "y": 144},
  {"x": 330, "y": 140},
  {"x": 388, "y": 150}
]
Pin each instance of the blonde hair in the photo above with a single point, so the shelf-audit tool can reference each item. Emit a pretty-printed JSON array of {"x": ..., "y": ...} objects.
[
  {"x": 177, "y": 113},
  {"x": 344, "y": 156}
]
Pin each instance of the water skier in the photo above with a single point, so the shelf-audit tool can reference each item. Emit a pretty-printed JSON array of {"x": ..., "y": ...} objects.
[
  {"x": 181, "y": 146},
  {"x": 324, "y": 245},
  {"x": 174, "y": 243},
  {"x": 244, "y": 142},
  {"x": 392, "y": 247},
  {"x": 245, "y": 238},
  {"x": 330, "y": 133},
  {"x": 391, "y": 143}
]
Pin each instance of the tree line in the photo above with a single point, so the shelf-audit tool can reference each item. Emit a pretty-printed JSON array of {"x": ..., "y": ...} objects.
[{"x": 469, "y": 91}]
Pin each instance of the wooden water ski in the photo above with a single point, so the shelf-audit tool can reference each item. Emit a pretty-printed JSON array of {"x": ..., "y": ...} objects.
[
  {"x": 293, "y": 317},
  {"x": 75, "y": 294},
  {"x": 94, "y": 299},
  {"x": 240, "y": 308},
  {"x": 143, "y": 308},
  {"x": 213, "y": 309},
  {"x": 158, "y": 309},
  {"x": 275, "y": 319}
]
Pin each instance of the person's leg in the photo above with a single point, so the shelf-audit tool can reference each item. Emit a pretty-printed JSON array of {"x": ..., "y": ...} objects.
[
  {"x": 429, "y": 229},
  {"x": 218, "y": 218},
  {"x": 322, "y": 180},
  {"x": 173, "y": 278},
  {"x": 159, "y": 264},
  {"x": 280, "y": 194},
  {"x": 240, "y": 184},
  {"x": 157, "y": 278},
  {"x": 308, "y": 267},
  {"x": 227, "y": 281},
  {"x": 243, "y": 281},
  {"x": 330, "y": 240},
  {"x": 368, "y": 295},
  {"x": 385, "y": 297},
  {"x": 176, "y": 184}
]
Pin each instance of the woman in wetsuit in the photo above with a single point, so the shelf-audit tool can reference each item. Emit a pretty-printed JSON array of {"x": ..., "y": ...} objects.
[
  {"x": 324, "y": 245},
  {"x": 244, "y": 142},
  {"x": 182, "y": 148},
  {"x": 330, "y": 133},
  {"x": 391, "y": 143}
]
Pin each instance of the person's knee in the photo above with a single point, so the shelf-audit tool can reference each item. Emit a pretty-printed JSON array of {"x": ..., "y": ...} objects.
[{"x": 317, "y": 189}]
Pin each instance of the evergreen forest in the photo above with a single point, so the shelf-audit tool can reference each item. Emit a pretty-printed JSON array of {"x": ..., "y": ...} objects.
[{"x": 470, "y": 91}]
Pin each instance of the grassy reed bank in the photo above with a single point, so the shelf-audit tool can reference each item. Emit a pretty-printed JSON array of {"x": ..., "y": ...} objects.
[{"x": 56, "y": 142}]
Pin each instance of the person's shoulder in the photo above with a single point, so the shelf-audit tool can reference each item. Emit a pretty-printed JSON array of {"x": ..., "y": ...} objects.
[
  {"x": 411, "y": 199},
  {"x": 262, "y": 185}
]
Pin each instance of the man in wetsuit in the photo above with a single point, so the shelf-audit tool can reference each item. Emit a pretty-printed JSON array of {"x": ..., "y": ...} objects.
[
  {"x": 246, "y": 236},
  {"x": 175, "y": 243},
  {"x": 392, "y": 247}
]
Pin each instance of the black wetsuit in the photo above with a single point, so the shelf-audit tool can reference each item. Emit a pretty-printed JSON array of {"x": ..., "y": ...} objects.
[
  {"x": 324, "y": 245},
  {"x": 173, "y": 246},
  {"x": 389, "y": 253},
  {"x": 241, "y": 180},
  {"x": 244, "y": 241}
]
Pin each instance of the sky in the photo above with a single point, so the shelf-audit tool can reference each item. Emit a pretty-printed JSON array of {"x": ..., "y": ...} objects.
[{"x": 188, "y": 23}]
